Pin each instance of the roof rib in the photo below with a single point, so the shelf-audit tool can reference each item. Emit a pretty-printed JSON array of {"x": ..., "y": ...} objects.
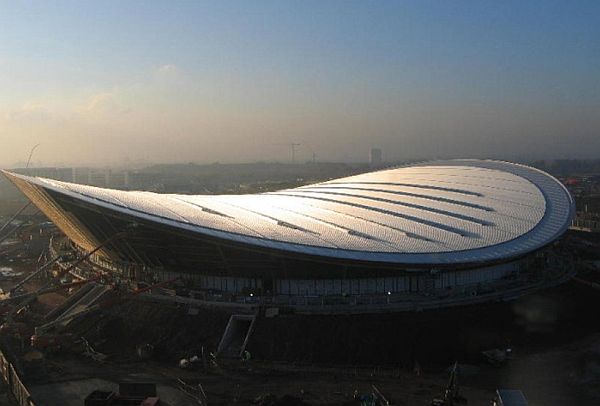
[
  {"x": 405, "y": 204},
  {"x": 440, "y": 226},
  {"x": 400, "y": 193}
]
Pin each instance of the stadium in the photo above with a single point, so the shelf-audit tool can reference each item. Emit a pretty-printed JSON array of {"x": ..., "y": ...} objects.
[{"x": 429, "y": 235}]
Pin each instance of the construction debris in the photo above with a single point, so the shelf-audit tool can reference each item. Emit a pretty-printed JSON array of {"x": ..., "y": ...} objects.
[
  {"x": 382, "y": 400},
  {"x": 93, "y": 354},
  {"x": 190, "y": 363},
  {"x": 195, "y": 392},
  {"x": 497, "y": 357},
  {"x": 144, "y": 351},
  {"x": 143, "y": 394},
  {"x": 268, "y": 399},
  {"x": 451, "y": 395}
]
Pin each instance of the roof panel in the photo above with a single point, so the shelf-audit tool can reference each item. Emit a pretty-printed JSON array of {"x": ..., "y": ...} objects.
[{"x": 443, "y": 212}]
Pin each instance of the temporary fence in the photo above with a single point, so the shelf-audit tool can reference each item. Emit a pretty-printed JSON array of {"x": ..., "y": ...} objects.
[{"x": 14, "y": 383}]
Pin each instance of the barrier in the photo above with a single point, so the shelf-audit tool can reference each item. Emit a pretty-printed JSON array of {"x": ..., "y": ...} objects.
[{"x": 14, "y": 383}]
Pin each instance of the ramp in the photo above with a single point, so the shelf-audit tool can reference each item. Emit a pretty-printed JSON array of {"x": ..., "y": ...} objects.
[
  {"x": 87, "y": 299},
  {"x": 237, "y": 333},
  {"x": 67, "y": 304}
]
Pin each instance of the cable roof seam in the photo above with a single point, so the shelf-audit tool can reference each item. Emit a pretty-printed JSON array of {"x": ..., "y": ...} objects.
[{"x": 411, "y": 205}]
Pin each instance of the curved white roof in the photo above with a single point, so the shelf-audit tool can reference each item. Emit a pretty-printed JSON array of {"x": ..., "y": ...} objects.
[{"x": 443, "y": 212}]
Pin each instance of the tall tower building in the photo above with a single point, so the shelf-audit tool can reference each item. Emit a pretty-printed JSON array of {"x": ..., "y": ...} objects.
[{"x": 375, "y": 157}]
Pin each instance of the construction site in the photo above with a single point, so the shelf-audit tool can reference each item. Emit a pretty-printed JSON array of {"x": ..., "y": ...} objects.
[{"x": 110, "y": 298}]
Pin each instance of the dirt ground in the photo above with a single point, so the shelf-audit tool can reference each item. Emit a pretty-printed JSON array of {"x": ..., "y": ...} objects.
[
  {"x": 556, "y": 377},
  {"x": 555, "y": 336}
]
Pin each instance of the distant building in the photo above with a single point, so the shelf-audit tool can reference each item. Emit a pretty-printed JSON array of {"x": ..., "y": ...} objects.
[
  {"x": 64, "y": 174},
  {"x": 101, "y": 177},
  {"x": 586, "y": 221},
  {"x": 375, "y": 157}
]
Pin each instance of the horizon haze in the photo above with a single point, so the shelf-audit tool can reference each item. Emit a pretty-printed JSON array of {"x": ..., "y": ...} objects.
[{"x": 111, "y": 82}]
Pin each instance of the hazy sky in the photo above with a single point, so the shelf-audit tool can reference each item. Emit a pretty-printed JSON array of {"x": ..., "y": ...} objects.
[{"x": 106, "y": 82}]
